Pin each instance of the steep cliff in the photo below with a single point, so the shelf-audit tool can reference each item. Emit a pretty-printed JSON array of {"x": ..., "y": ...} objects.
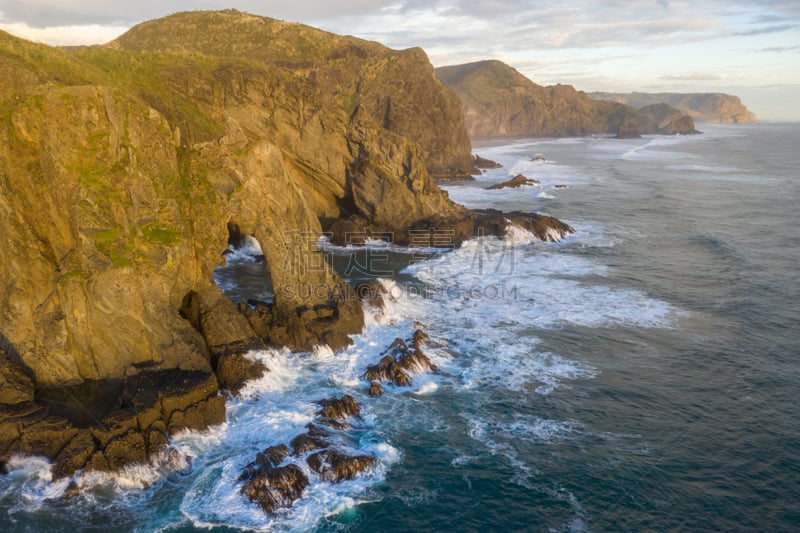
[
  {"x": 123, "y": 169},
  {"x": 706, "y": 107},
  {"x": 500, "y": 102},
  {"x": 126, "y": 169}
]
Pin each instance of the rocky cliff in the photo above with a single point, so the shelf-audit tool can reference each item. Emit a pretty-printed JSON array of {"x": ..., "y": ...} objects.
[
  {"x": 500, "y": 102},
  {"x": 126, "y": 168},
  {"x": 706, "y": 107}
]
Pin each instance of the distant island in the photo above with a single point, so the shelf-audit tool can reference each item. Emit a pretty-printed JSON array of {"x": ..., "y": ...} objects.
[
  {"x": 703, "y": 107},
  {"x": 500, "y": 102}
]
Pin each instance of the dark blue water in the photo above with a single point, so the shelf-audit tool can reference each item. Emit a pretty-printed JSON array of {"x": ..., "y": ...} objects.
[{"x": 642, "y": 375}]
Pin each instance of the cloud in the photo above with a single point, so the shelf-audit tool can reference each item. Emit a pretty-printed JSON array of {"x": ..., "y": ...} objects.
[
  {"x": 695, "y": 76},
  {"x": 779, "y": 28},
  {"x": 65, "y": 35},
  {"x": 780, "y": 48}
]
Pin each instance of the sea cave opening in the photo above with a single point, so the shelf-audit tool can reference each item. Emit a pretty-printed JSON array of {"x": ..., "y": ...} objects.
[{"x": 245, "y": 277}]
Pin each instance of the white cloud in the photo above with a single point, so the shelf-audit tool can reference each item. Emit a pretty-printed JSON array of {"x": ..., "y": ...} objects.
[{"x": 65, "y": 35}]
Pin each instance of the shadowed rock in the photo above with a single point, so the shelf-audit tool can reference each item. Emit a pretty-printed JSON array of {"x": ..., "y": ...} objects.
[
  {"x": 517, "y": 181},
  {"x": 543, "y": 227},
  {"x": 276, "y": 488},
  {"x": 482, "y": 163},
  {"x": 371, "y": 293},
  {"x": 335, "y": 466}
]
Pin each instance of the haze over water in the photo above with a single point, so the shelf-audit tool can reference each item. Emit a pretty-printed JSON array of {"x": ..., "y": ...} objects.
[{"x": 640, "y": 375}]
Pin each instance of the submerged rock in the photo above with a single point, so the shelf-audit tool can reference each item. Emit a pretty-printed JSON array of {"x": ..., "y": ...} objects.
[
  {"x": 517, "y": 181},
  {"x": 336, "y": 466}
]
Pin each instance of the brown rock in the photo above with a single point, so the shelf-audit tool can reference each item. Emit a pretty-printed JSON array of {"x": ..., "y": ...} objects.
[
  {"x": 399, "y": 361},
  {"x": 335, "y": 466},
  {"x": 517, "y": 181},
  {"x": 306, "y": 442},
  {"x": 486, "y": 163},
  {"x": 276, "y": 488},
  {"x": 545, "y": 228},
  {"x": 269, "y": 458},
  {"x": 375, "y": 389},
  {"x": 16, "y": 386},
  {"x": 339, "y": 408}
]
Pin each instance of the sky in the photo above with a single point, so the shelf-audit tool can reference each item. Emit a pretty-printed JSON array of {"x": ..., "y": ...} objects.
[{"x": 747, "y": 48}]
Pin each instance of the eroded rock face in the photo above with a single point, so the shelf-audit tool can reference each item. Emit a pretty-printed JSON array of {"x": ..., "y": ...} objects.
[{"x": 106, "y": 424}]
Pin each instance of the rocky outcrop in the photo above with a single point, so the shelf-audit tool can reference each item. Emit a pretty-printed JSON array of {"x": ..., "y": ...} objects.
[
  {"x": 275, "y": 488},
  {"x": 336, "y": 466},
  {"x": 483, "y": 163},
  {"x": 500, "y": 102},
  {"x": 703, "y": 107},
  {"x": 519, "y": 180},
  {"x": 339, "y": 408},
  {"x": 543, "y": 227},
  {"x": 400, "y": 361}
]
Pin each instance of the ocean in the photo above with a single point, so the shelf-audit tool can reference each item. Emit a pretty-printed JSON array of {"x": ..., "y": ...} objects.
[{"x": 640, "y": 375}]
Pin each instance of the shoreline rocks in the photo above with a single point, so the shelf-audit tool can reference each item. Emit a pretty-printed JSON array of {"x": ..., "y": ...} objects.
[{"x": 274, "y": 486}]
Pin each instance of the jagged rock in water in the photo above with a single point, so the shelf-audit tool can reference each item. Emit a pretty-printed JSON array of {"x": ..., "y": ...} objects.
[
  {"x": 543, "y": 227},
  {"x": 339, "y": 408},
  {"x": 276, "y": 488},
  {"x": 375, "y": 389},
  {"x": 336, "y": 466},
  {"x": 482, "y": 163},
  {"x": 399, "y": 361},
  {"x": 269, "y": 458},
  {"x": 310, "y": 440},
  {"x": 517, "y": 181}
]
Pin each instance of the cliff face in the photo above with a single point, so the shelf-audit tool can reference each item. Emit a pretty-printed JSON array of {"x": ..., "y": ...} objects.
[
  {"x": 500, "y": 102},
  {"x": 706, "y": 107},
  {"x": 122, "y": 168}
]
